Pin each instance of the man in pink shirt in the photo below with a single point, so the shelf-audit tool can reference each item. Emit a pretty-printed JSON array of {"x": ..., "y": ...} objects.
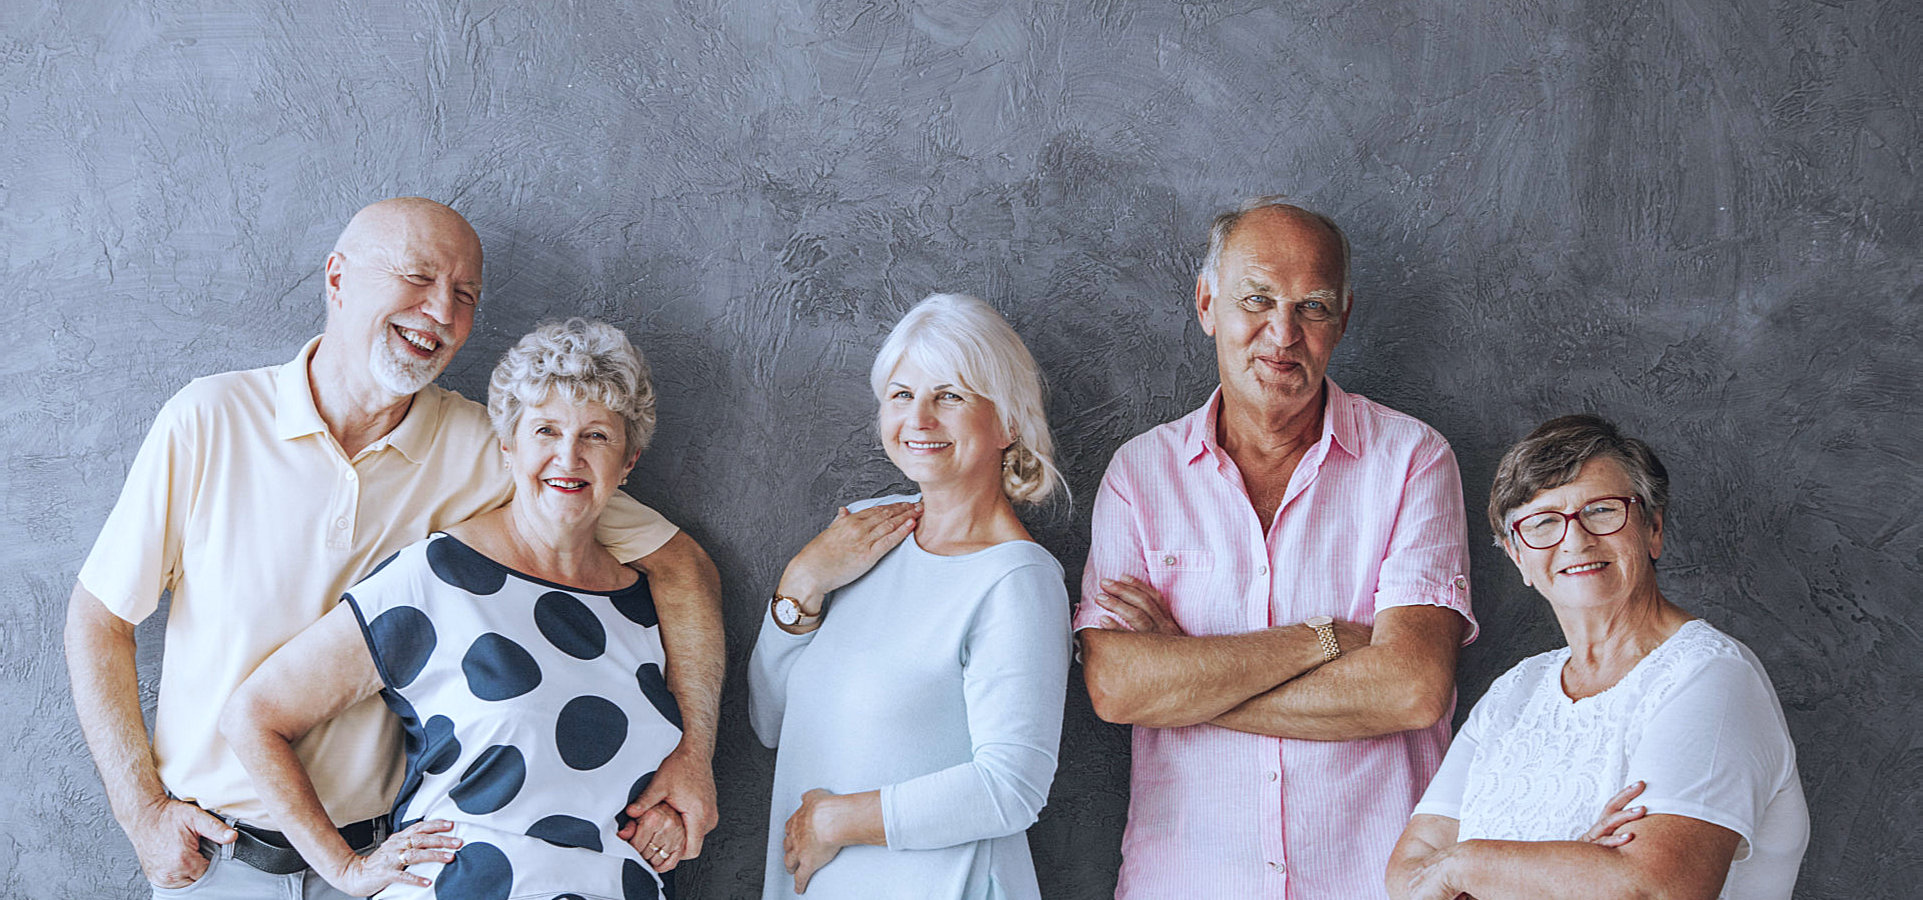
[{"x": 1275, "y": 593}]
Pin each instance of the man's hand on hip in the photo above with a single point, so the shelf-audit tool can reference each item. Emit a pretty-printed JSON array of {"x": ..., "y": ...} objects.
[{"x": 167, "y": 839}]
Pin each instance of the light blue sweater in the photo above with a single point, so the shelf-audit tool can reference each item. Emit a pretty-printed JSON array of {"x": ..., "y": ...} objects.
[{"x": 940, "y": 681}]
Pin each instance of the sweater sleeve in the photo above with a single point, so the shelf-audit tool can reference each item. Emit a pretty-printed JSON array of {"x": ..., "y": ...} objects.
[
  {"x": 774, "y": 657},
  {"x": 1014, "y": 676}
]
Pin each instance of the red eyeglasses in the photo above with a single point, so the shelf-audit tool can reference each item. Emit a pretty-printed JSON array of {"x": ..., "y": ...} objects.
[{"x": 1601, "y": 517}]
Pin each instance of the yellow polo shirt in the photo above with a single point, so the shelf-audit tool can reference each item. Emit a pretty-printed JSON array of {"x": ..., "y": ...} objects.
[{"x": 242, "y": 505}]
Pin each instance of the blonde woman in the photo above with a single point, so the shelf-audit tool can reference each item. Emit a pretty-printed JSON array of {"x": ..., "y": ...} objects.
[{"x": 912, "y": 663}]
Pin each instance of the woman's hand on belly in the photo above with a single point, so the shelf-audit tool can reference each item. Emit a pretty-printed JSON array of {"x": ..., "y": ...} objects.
[{"x": 825, "y": 823}]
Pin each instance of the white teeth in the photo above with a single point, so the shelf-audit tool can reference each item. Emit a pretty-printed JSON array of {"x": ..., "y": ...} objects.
[
  {"x": 1585, "y": 567},
  {"x": 425, "y": 342},
  {"x": 566, "y": 483},
  {"x": 926, "y": 445}
]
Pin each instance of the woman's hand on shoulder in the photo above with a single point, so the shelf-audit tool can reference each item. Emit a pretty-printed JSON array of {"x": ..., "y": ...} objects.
[{"x": 845, "y": 550}]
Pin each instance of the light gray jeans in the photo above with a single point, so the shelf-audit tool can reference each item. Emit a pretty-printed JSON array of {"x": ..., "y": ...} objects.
[{"x": 227, "y": 878}]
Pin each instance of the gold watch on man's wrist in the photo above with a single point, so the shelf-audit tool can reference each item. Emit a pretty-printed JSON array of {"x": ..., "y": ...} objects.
[{"x": 1325, "y": 632}]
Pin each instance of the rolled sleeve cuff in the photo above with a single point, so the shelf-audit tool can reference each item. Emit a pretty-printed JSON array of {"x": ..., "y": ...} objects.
[{"x": 1451, "y": 594}]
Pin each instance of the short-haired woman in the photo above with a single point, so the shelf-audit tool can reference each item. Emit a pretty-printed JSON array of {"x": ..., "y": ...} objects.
[
  {"x": 912, "y": 665},
  {"x": 525, "y": 664},
  {"x": 1645, "y": 695}
]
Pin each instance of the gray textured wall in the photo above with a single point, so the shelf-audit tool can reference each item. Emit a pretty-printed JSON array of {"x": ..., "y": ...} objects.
[{"x": 1698, "y": 217}]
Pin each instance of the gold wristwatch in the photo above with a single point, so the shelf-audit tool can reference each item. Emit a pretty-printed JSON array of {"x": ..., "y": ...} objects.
[
  {"x": 1325, "y": 632},
  {"x": 787, "y": 611}
]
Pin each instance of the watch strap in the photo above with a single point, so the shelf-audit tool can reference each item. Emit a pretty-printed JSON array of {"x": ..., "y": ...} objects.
[{"x": 1325, "y": 634}]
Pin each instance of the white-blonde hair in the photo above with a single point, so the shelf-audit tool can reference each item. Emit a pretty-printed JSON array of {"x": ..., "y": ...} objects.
[
  {"x": 586, "y": 361},
  {"x": 958, "y": 337}
]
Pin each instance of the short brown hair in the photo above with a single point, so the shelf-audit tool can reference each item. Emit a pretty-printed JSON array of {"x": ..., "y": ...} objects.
[{"x": 1553, "y": 454}]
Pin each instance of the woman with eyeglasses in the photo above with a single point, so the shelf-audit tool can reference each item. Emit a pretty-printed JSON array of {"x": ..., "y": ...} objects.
[{"x": 1647, "y": 704}]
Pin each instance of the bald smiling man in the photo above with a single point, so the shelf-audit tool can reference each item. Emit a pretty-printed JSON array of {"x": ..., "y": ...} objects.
[{"x": 258, "y": 498}]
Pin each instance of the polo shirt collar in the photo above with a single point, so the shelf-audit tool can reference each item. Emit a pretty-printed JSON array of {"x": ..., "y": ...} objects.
[
  {"x": 1338, "y": 424},
  {"x": 295, "y": 415}
]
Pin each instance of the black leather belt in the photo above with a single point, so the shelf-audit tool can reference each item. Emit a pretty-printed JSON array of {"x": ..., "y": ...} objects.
[{"x": 271, "y": 852}]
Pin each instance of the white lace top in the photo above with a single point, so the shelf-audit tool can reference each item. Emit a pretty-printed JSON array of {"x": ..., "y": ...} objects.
[{"x": 1697, "y": 720}]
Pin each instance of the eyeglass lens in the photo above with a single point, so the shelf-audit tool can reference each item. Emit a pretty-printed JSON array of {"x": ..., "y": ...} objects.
[{"x": 1600, "y": 518}]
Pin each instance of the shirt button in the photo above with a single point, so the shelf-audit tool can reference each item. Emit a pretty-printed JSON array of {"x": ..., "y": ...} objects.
[
  {"x": 1168, "y": 560},
  {"x": 1279, "y": 868},
  {"x": 350, "y": 475},
  {"x": 1273, "y": 776},
  {"x": 1261, "y": 570},
  {"x": 340, "y": 523}
]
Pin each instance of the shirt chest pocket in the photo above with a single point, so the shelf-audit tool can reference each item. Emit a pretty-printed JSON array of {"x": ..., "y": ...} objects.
[{"x": 1186, "y": 579}]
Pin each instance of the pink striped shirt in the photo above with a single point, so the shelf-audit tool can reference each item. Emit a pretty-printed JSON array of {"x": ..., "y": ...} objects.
[{"x": 1372, "y": 518}]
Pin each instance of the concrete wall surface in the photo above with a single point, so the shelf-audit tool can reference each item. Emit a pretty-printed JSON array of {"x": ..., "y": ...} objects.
[{"x": 1699, "y": 217}]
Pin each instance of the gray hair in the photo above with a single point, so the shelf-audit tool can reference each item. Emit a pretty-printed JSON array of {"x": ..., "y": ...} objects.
[
  {"x": 586, "y": 361},
  {"x": 1225, "y": 224},
  {"x": 962, "y": 338},
  {"x": 1552, "y": 456}
]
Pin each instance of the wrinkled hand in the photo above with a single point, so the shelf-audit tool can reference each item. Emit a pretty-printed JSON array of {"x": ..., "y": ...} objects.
[
  {"x": 685, "y": 784},
  {"x": 1429, "y": 877},
  {"x": 1137, "y": 607},
  {"x": 167, "y": 841},
  {"x": 1615, "y": 816},
  {"x": 846, "y": 549},
  {"x": 809, "y": 840},
  {"x": 423, "y": 842},
  {"x": 660, "y": 835}
]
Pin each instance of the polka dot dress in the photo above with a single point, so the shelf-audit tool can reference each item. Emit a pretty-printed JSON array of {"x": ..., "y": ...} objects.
[{"x": 533, "y": 714}]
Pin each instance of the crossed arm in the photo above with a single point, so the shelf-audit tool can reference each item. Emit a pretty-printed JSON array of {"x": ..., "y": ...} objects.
[
  {"x": 1657, "y": 856},
  {"x": 1397, "y": 676}
]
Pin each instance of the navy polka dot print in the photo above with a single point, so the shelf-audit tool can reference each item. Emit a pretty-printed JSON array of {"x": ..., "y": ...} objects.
[
  {"x": 638, "y": 606},
  {"x": 499, "y": 669},
  {"x": 479, "y": 871},
  {"x": 567, "y": 831},
  {"x": 491, "y": 781},
  {"x": 636, "y": 883},
  {"x": 569, "y": 625},
  {"x": 405, "y": 638},
  {"x": 528, "y": 709},
  {"x": 442, "y": 748},
  {"x": 462, "y": 568},
  {"x": 589, "y": 731},
  {"x": 655, "y": 687}
]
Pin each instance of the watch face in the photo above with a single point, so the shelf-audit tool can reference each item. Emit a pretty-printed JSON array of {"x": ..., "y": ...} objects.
[
  {"x": 787, "y": 611},
  {"x": 1319, "y": 621}
]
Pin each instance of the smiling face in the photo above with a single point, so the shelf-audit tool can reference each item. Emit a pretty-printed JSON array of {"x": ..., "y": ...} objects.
[
  {"x": 1584, "y": 570},
  {"x": 567, "y": 459},
  {"x": 1275, "y": 309},
  {"x": 939, "y": 433},
  {"x": 402, "y": 285}
]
